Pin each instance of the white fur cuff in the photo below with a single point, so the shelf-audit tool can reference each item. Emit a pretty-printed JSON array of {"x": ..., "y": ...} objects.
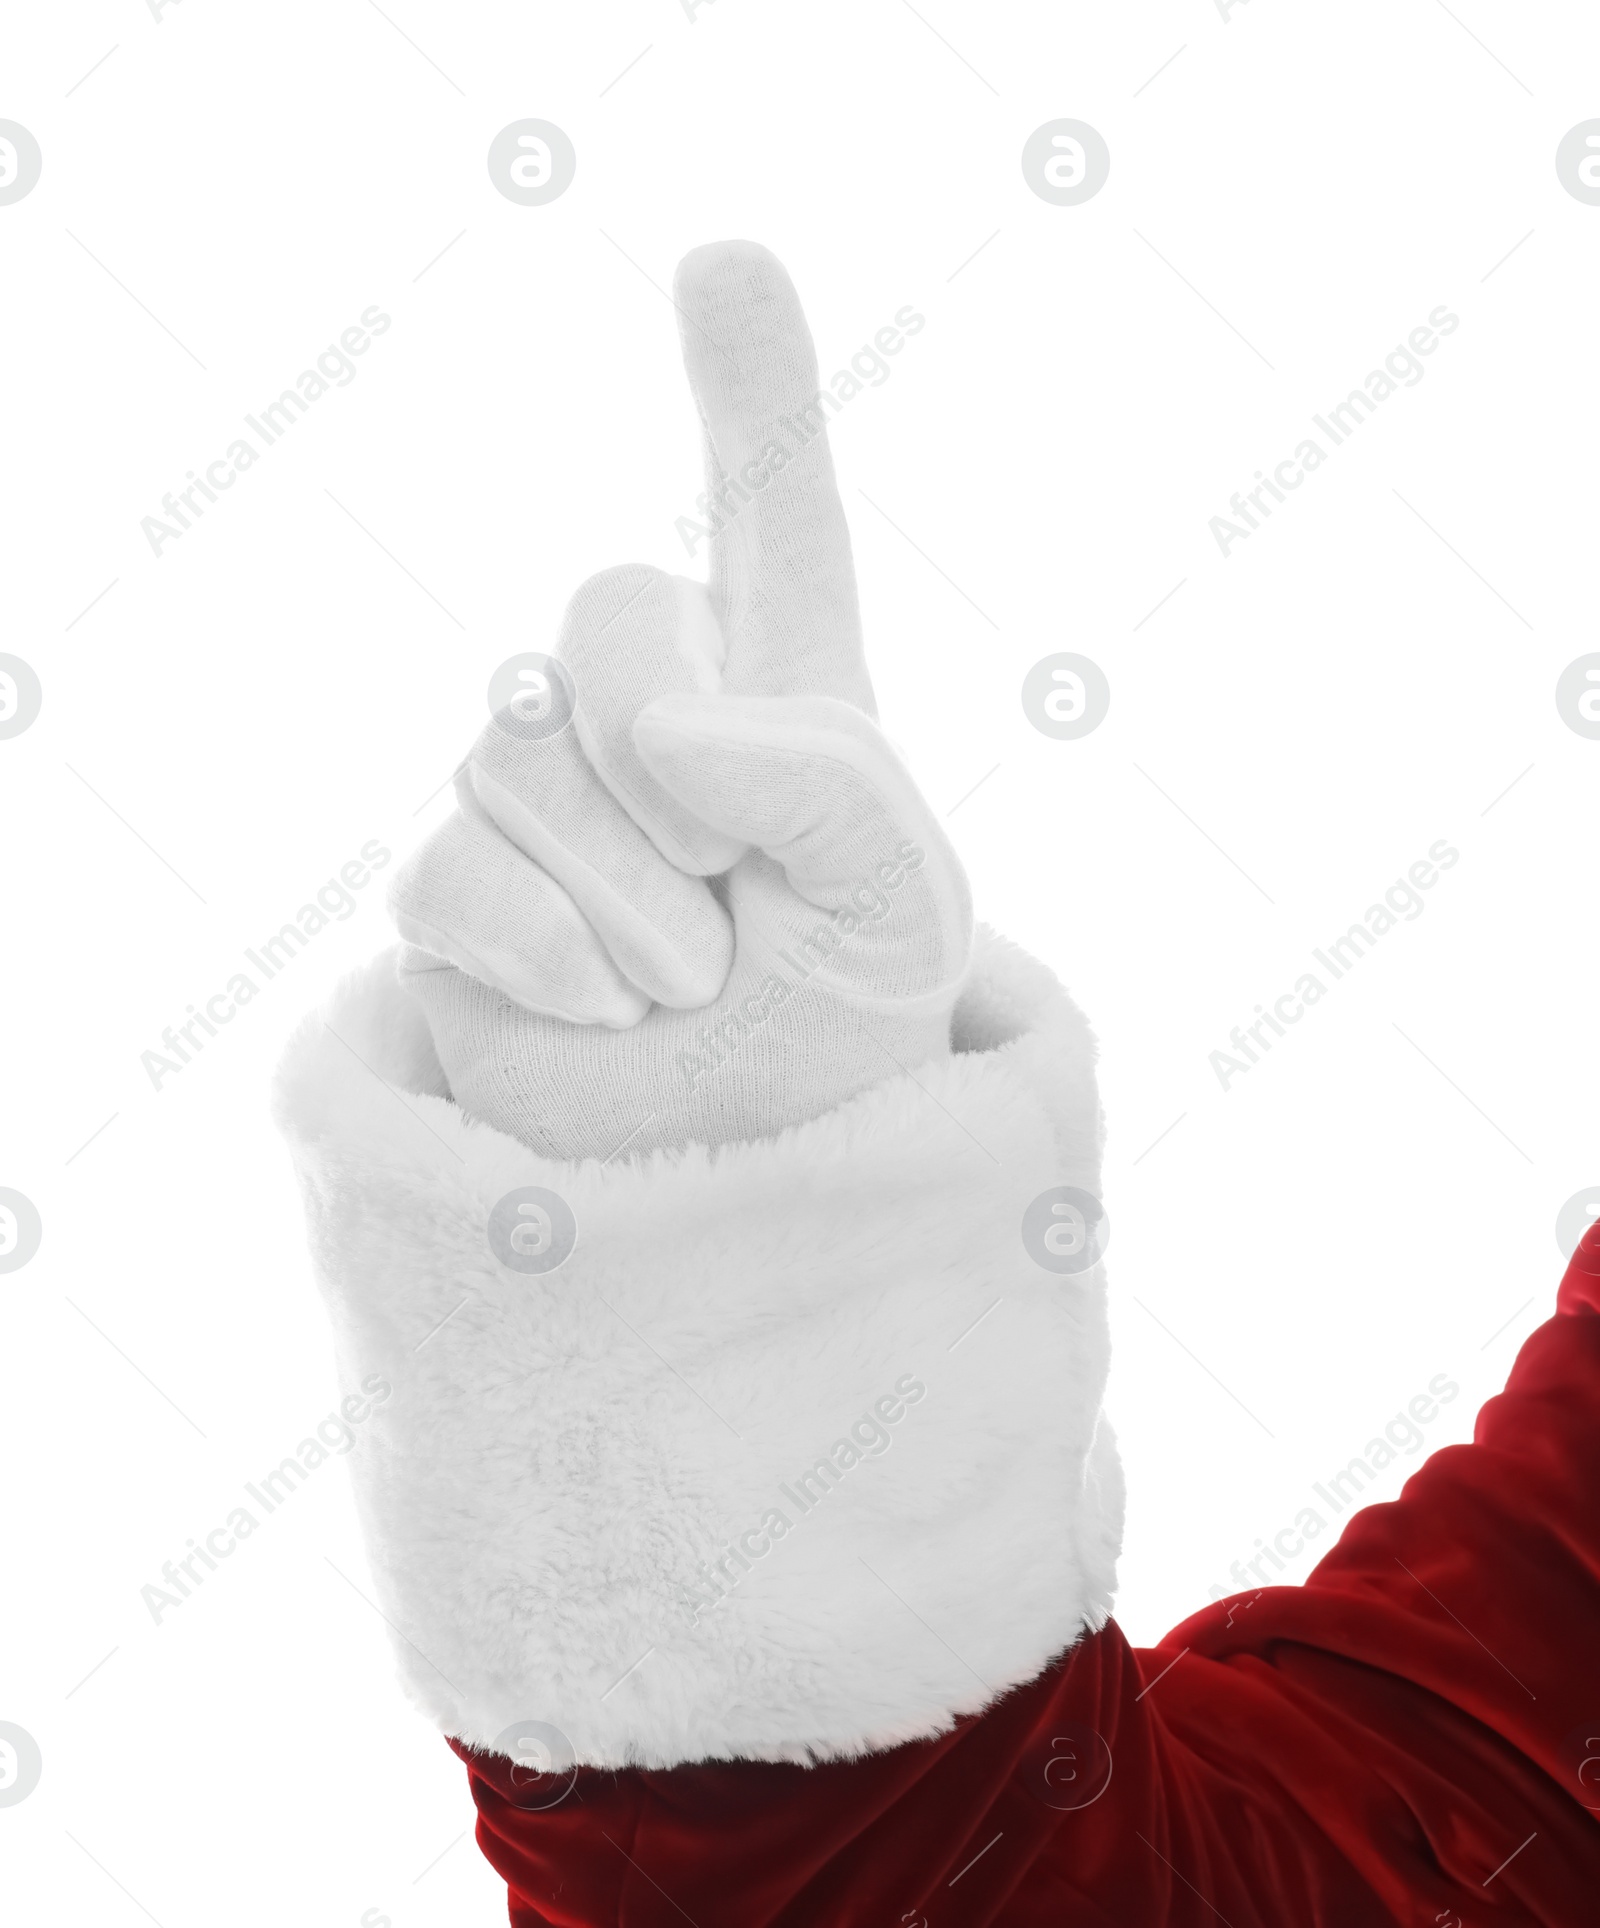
[{"x": 796, "y": 1453}]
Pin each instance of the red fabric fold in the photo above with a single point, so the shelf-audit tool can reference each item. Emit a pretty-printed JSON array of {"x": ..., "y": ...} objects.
[{"x": 1411, "y": 1737}]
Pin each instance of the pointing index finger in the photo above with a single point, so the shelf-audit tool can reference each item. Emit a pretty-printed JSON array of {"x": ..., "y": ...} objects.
[{"x": 782, "y": 578}]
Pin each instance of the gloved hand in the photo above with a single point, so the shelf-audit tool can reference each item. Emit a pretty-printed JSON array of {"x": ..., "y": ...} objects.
[
  {"x": 713, "y": 904},
  {"x": 601, "y": 1506}
]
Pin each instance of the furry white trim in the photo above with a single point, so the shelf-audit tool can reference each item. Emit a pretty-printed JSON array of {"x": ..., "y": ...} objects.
[{"x": 567, "y": 1455}]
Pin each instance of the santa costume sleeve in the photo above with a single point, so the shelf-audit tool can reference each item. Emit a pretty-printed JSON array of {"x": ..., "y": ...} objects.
[{"x": 757, "y": 1556}]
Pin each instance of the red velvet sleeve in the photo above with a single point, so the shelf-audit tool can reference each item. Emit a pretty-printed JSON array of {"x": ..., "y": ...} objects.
[{"x": 1411, "y": 1737}]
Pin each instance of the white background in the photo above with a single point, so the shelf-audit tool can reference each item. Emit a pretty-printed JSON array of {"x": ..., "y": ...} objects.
[{"x": 1372, "y": 1205}]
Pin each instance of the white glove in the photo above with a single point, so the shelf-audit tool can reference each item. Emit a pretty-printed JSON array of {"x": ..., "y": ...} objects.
[{"x": 593, "y": 983}]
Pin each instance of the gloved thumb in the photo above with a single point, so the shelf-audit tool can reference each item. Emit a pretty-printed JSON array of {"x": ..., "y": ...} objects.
[{"x": 816, "y": 786}]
